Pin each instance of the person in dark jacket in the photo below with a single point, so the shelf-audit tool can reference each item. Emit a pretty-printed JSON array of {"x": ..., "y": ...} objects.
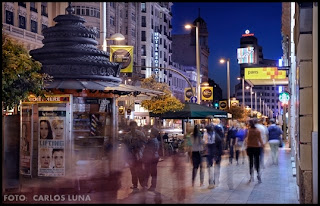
[
  {"x": 150, "y": 159},
  {"x": 275, "y": 134},
  {"x": 232, "y": 139},
  {"x": 213, "y": 143}
]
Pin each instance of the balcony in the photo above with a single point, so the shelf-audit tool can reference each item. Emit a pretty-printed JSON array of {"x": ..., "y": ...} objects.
[{"x": 22, "y": 33}]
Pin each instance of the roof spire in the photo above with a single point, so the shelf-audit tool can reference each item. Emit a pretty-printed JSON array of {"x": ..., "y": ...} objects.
[{"x": 69, "y": 9}]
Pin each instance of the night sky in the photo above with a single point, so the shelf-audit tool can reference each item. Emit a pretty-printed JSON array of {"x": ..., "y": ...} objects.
[{"x": 226, "y": 22}]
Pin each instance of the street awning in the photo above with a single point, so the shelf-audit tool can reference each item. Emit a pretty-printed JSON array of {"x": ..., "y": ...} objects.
[{"x": 99, "y": 85}]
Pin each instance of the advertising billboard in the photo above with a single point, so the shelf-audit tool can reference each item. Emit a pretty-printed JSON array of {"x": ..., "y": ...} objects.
[
  {"x": 264, "y": 73},
  {"x": 124, "y": 55},
  {"x": 223, "y": 105},
  {"x": 245, "y": 55}
]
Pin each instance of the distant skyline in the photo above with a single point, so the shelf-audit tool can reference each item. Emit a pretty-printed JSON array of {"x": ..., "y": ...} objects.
[{"x": 226, "y": 22}]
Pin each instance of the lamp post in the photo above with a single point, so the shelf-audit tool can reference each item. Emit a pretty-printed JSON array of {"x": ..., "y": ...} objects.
[
  {"x": 116, "y": 36},
  {"x": 189, "y": 26},
  {"x": 250, "y": 98},
  {"x": 228, "y": 78},
  {"x": 243, "y": 101}
]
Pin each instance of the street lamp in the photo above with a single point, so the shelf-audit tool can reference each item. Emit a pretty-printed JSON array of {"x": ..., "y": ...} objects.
[
  {"x": 228, "y": 78},
  {"x": 247, "y": 87},
  {"x": 189, "y": 26},
  {"x": 255, "y": 101},
  {"x": 243, "y": 101},
  {"x": 116, "y": 36}
]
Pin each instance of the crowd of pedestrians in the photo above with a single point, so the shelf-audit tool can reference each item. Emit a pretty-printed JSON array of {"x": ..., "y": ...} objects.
[{"x": 204, "y": 145}]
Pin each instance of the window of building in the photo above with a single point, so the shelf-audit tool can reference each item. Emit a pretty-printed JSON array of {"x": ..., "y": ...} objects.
[
  {"x": 143, "y": 62},
  {"x": 133, "y": 32},
  {"x": 112, "y": 21},
  {"x": 133, "y": 17},
  {"x": 22, "y": 22},
  {"x": 34, "y": 26},
  {"x": 272, "y": 100},
  {"x": 33, "y": 7},
  {"x": 151, "y": 10},
  {"x": 143, "y": 36},
  {"x": 160, "y": 54},
  {"x": 143, "y": 50},
  {"x": 44, "y": 9},
  {"x": 87, "y": 11},
  {"x": 126, "y": 30},
  {"x": 43, "y": 26},
  {"x": 9, "y": 17},
  {"x": 143, "y": 7},
  {"x": 272, "y": 94},
  {"x": 152, "y": 51},
  {"x": 23, "y": 4},
  {"x": 151, "y": 23},
  {"x": 160, "y": 41},
  {"x": 143, "y": 21}
]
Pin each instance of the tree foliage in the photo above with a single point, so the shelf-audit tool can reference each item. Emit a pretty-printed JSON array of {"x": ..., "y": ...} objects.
[
  {"x": 161, "y": 103},
  {"x": 20, "y": 74},
  {"x": 238, "y": 113}
]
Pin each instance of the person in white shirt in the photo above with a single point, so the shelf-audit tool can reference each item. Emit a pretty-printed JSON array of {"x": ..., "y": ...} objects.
[{"x": 264, "y": 134}]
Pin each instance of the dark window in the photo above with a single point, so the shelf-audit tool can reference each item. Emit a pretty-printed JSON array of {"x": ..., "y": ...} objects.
[
  {"x": 143, "y": 36},
  {"x": 22, "y": 22},
  {"x": 43, "y": 27},
  {"x": 33, "y": 7},
  {"x": 9, "y": 17},
  {"x": 143, "y": 50},
  {"x": 143, "y": 21},
  {"x": 23, "y": 4},
  {"x": 143, "y": 62},
  {"x": 34, "y": 26},
  {"x": 44, "y": 9}
]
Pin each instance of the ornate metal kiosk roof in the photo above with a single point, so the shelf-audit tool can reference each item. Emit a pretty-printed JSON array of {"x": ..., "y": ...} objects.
[{"x": 70, "y": 52}]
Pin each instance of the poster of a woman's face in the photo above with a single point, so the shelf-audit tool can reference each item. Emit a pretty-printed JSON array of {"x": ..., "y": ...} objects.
[
  {"x": 58, "y": 157},
  {"x": 45, "y": 130},
  {"x": 45, "y": 157},
  {"x": 58, "y": 129}
]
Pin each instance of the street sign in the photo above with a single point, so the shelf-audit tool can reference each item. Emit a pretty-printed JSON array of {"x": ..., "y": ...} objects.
[{"x": 193, "y": 99}]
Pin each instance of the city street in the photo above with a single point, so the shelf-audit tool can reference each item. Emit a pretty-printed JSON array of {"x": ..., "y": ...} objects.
[{"x": 278, "y": 185}]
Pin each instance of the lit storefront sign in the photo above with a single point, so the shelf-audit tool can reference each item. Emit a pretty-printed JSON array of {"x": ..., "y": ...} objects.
[
  {"x": 156, "y": 51},
  {"x": 234, "y": 103},
  {"x": 284, "y": 97},
  {"x": 223, "y": 105},
  {"x": 245, "y": 55},
  {"x": 264, "y": 73},
  {"x": 207, "y": 93},
  {"x": 188, "y": 93}
]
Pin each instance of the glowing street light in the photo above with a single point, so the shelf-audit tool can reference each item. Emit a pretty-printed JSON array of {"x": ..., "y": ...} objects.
[{"x": 228, "y": 78}]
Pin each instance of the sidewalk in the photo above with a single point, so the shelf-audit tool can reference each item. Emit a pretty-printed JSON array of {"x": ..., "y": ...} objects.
[{"x": 278, "y": 185}]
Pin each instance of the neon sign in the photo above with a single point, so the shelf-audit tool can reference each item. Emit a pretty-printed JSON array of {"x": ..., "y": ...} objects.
[{"x": 156, "y": 51}]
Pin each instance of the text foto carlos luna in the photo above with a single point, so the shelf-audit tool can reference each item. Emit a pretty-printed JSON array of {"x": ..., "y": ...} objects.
[{"x": 47, "y": 198}]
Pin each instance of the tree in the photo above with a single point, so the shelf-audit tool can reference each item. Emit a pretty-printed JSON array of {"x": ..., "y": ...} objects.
[
  {"x": 20, "y": 74},
  {"x": 238, "y": 113},
  {"x": 161, "y": 103}
]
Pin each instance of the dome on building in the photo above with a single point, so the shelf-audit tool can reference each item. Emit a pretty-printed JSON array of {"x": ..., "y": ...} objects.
[{"x": 70, "y": 52}]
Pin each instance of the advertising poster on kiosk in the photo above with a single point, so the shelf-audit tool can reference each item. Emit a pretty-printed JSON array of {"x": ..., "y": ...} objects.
[
  {"x": 25, "y": 141},
  {"x": 52, "y": 130}
]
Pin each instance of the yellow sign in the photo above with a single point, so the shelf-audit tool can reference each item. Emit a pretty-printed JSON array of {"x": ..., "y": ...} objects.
[
  {"x": 207, "y": 93},
  {"x": 188, "y": 93},
  {"x": 234, "y": 103},
  {"x": 223, "y": 105},
  {"x": 123, "y": 55},
  {"x": 264, "y": 73}
]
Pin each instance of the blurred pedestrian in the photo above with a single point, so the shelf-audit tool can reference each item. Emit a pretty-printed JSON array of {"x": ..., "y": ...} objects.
[
  {"x": 254, "y": 143},
  {"x": 240, "y": 137},
  {"x": 135, "y": 141},
  {"x": 264, "y": 135},
  {"x": 197, "y": 150},
  {"x": 275, "y": 134},
  {"x": 232, "y": 139},
  {"x": 150, "y": 159},
  {"x": 213, "y": 144}
]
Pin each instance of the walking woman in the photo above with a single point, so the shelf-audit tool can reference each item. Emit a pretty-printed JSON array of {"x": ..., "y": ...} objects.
[
  {"x": 254, "y": 144},
  {"x": 197, "y": 149}
]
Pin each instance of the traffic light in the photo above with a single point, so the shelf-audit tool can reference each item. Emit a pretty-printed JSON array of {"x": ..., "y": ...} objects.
[{"x": 216, "y": 104}]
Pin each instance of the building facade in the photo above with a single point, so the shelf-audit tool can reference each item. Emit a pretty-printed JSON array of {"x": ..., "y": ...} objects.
[
  {"x": 302, "y": 47},
  {"x": 265, "y": 99}
]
